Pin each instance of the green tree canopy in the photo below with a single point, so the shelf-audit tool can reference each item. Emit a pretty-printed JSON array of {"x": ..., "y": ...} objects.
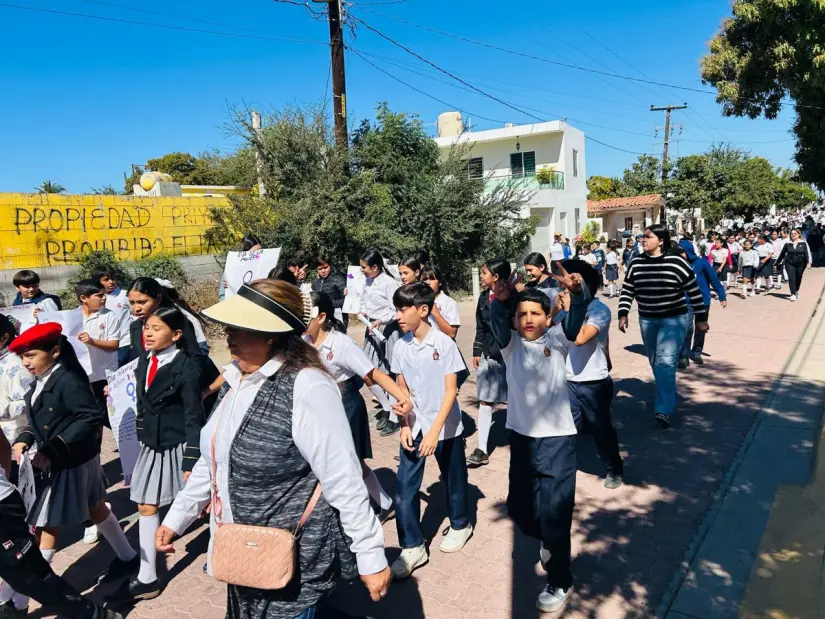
[{"x": 50, "y": 187}]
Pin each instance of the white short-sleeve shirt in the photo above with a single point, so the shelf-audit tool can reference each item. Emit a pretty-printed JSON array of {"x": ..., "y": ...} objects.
[
  {"x": 589, "y": 362},
  {"x": 102, "y": 325},
  {"x": 344, "y": 358},
  {"x": 449, "y": 310},
  {"x": 118, "y": 302},
  {"x": 424, "y": 365}
]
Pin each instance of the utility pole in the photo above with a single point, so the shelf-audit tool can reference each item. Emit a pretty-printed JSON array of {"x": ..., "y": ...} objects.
[
  {"x": 339, "y": 79},
  {"x": 665, "y": 165},
  {"x": 259, "y": 156}
]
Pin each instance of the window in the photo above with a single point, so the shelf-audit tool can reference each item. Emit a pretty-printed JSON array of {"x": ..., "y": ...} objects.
[
  {"x": 628, "y": 223},
  {"x": 476, "y": 167},
  {"x": 578, "y": 221},
  {"x": 575, "y": 163},
  {"x": 523, "y": 164}
]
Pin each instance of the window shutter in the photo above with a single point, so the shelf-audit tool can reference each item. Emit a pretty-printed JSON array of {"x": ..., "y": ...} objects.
[
  {"x": 516, "y": 166},
  {"x": 476, "y": 167},
  {"x": 530, "y": 163}
]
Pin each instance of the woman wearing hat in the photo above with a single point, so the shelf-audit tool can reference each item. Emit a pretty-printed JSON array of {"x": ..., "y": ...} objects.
[{"x": 278, "y": 431}]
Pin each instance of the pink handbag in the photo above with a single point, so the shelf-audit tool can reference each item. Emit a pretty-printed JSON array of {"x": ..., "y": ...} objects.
[{"x": 253, "y": 556}]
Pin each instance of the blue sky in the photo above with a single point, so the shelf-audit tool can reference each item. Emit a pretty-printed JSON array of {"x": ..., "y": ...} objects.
[{"x": 84, "y": 99}]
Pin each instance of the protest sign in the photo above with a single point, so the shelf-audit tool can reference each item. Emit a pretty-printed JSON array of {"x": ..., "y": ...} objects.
[
  {"x": 122, "y": 404},
  {"x": 25, "y": 482},
  {"x": 72, "y": 323},
  {"x": 355, "y": 290},
  {"x": 21, "y": 315},
  {"x": 243, "y": 267}
]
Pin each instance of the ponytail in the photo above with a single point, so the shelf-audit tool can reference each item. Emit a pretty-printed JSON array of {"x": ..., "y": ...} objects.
[{"x": 374, "y": 259}]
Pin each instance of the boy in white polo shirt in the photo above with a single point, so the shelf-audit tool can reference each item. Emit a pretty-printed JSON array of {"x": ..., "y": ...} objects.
[
  {"x": 101, "y": 334},
  {"x": 117, "y": 300},
  {"x": 427, "y": 362},
  {"x": 542, "y": 486}
]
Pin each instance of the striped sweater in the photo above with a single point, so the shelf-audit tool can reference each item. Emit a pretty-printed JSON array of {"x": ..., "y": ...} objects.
[{"x": 660, "y": 286}]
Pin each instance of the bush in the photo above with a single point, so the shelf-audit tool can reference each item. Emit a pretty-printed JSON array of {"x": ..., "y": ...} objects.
[
  {"x": 161, "y": 266},
  {"x": 590, "y": 232},
  {"x": 201, "y": 294}
]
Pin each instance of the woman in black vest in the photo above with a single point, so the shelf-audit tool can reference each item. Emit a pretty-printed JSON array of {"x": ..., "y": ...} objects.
[
  {"x": 278, "y": 431},
  {"x": 795, "y": 257}
]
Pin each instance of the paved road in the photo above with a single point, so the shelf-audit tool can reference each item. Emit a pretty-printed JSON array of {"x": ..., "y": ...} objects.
[{"x": 627, "y": 543}]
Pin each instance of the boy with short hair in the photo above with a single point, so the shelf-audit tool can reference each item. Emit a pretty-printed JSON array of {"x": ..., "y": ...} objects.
[
  {"x": 427, "y": 363},
  {"x": 117, "y": 300},
  {"x": 28, "y": 291},
  {"x": 101, "y": 334},
  {"x": 598, "y": 252},
  {"x": 542, "y": 487}
]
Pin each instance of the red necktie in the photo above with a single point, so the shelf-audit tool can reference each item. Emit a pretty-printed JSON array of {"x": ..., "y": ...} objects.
[{"x": 153, "y": 369}]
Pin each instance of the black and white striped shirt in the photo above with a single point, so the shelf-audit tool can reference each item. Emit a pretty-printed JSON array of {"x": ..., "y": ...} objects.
[{"x": 659, "y": 286}]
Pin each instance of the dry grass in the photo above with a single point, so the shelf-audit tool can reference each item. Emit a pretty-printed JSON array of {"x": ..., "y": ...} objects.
[{"x": 201, "y": 294}]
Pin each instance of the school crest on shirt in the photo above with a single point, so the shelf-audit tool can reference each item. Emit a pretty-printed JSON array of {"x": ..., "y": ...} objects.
[
  {"x": 546, "y": 351},
  {"x": 435, "y": 355},
  {"x": 330, "y": 356}
]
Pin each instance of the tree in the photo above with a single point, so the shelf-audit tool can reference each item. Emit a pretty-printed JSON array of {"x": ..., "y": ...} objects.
[
  {"x": 49, "y": 187},
  {"x": 642, "y": 178},
  {"x": 603, "y": 188},
  {"x": 769, "y": 50},
  {"x": 106, "y": 190}
]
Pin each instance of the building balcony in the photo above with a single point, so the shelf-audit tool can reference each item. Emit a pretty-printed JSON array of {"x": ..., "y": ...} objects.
[{"x": 526, "y": 181}]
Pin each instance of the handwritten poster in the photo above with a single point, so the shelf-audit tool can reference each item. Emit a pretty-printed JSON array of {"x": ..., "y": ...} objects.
[
  {"x": 25, "y": 482},
  {"x": 72, "y": 323},
  {"x": 21, "y": 315},
  {"x": 355, "y": 290},
  {"x": 122, "y": 405},
  {"x": 243, "y": 267}
]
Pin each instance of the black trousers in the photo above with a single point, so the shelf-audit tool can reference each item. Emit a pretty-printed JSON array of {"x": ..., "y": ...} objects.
[
  {"x": 27, "y": 572},
  {"x": 795, "y": 274},
  {"x": 590, "y": 403},
  {"x": 542, "y": 495}
]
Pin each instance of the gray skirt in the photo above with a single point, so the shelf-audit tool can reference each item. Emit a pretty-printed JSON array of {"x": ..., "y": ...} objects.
[
  {"x": 158, "y": 476},
  {"x": 491, "y": 381},
  {"x": 69, "y": 495}
]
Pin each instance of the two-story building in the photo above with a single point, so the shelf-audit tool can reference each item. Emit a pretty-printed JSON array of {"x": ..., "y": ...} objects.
[{"x": 515, "y": 154}]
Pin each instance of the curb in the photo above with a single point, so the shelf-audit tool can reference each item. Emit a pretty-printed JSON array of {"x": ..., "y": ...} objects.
[{"x": 669, "y": 596}]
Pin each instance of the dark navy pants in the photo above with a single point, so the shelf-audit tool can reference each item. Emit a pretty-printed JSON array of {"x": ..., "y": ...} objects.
[
  {"x": 542, "y": 496},
  {"x": 590, "y": 403},
  {"x": 453, "y": 466}
]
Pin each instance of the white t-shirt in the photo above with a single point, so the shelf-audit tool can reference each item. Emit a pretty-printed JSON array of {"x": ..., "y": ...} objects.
[
  {"x": 449, "y": 310},
  {"x": 118, "y": 302},
  {"x": 764, "y": 250},
  {"x": 611, "y": 258},
  {"x": 589, "y": 259},
  {"x": 589, "y": 362},
  {"x": 376, "y": 302},
  {"x": 343, "y": 357},
  {"x": 102, "y": 325},
  {"x": 537, "y": 402},
  {"x": 424, "y": 365},
  {"x": 556, "y": 251}
]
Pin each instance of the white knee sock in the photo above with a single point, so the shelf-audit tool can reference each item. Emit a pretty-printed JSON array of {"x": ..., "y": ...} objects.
[
  {"x": 485, "y": 422},
  {"x": 377, "y": 492},
  {"x": 381, "y": 396},
  {"x": 110, "y": 529},
  {"x": 147, "y": 527},
  {"x": 19, "y": 600}
]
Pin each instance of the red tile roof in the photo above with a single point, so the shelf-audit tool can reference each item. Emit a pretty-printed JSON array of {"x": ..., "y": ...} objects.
[{"x": 615, "y": 204}]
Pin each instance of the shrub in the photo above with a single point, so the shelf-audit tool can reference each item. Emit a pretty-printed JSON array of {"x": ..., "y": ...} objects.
[
  {"x": 590, "y": 232},
  {"x": 201, "y": 294},
  {"x": 162, "y": 266}
]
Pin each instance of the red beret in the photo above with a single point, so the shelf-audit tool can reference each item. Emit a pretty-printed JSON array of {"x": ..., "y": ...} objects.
[{"x": 47, "y": 334}]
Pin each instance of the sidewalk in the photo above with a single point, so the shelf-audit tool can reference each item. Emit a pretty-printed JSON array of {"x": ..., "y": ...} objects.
[{"x": 628, "y": 544}]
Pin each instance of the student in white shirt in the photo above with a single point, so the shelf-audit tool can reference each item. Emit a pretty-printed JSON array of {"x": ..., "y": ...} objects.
[
  {"x": 101, "y": 334},
  {"x": 764, "y": 270},
  {"x": 377, "y": 308},
  {"x": 427, "y": 362},
  {"x": 28, "y": 291},
  {"x": 542, "y": 474},
  {"x": 350, "y": 368},
  {"x": 15, "y": 381},
  {"x": 446, "y": 316},
  {"x": 117, "y": 301}
]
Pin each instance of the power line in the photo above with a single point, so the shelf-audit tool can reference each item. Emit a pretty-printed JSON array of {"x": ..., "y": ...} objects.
[{"x": 155, "y": 25}]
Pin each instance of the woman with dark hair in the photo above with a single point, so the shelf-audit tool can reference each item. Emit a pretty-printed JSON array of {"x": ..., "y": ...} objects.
[
  {"x": 659, "y": 279},
  {"x": 422, "y": 256},
  {"x": 250, "y": 243},
  {"x": 536, "y": 266},
  {"x": 278, "y": 435},
  {"x": 334, "y": 285},
  {"x": 795, "y": 257}
]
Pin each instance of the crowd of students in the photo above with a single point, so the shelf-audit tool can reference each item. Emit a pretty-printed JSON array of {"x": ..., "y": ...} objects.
[{"x": 287, "y": 416}]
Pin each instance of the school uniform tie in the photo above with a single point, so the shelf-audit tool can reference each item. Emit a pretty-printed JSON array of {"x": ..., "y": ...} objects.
[{"x": 153, "y": 369}]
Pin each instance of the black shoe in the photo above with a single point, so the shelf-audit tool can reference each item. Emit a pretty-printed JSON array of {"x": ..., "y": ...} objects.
[
  {"x": 8, "y": 611},
  {"x": 697, "y": 359},
  {"x": 611, "y": 482},
  {"x": 205, "y": 568},
  {"x": 390, "y": 428},
  {"x": 683, "y": 363},
  {"x": 663, "y": 420},
  {"x": 119, "y": 569},
  {"x": 133, "y": 590},
  {"x": 478, "y": 458},
  {"x": 387, "y": 514},
  {"x": 381, "y": 420}
]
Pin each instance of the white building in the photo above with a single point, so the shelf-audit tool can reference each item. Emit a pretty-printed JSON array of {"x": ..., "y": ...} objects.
[{"x": 515, "y": 154}]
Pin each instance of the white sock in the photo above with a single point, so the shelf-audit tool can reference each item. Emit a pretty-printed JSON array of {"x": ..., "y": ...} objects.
[
  {"x": 110, "y": 529},
  {"x": 485, "y": 422},
  {"x": 381, "y": 396},
  {"x": 19, "y": 600},
  {"x": 377, "y": 492},
  {"x": 147, "y": 527},
  {"x": 6, "y": 592}
]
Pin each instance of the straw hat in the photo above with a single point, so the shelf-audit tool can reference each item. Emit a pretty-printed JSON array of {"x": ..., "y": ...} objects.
[{"x": 252, "y": 310}]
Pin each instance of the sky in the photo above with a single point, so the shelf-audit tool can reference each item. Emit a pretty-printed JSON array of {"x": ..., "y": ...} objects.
[{"x": 83, "y": 99}]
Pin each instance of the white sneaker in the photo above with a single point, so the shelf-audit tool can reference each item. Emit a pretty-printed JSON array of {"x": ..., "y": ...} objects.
[
  {"x": 552, "y": 599},
  {"x": 793, "y": 297},
  {"x": 455, "y": 540},
  {"x": 408, "y": 561},
  {"x": 91, "y": 535}
]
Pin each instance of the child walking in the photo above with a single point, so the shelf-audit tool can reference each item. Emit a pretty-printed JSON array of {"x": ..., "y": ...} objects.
[
  {"x": 117, "y": 301},
  {"x": 598, "y": 253},
  {"x": 445, "y": 317},
  {"x": 427, "y": 363},
  {"x": 748, "y": 263},
  {"x": 170, "y": 417},
  {"x": 491, "y": 379},
  {"x": 611, "y": 269}
]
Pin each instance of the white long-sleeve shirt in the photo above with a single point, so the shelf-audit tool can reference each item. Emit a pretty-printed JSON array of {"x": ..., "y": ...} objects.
[
  {"x": 15, "y": 381},
  {"x": 320, "y": 431},
  {"x": 376, "y": 302}
]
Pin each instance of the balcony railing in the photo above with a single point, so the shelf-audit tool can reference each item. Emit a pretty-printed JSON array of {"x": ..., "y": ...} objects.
[{"x": 526, "y": 181}]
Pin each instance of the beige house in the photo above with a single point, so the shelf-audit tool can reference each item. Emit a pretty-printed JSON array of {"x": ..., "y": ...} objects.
[{"x": 625, "y": 217}]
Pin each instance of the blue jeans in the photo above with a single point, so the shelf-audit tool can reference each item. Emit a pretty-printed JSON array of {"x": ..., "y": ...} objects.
[
  {"x": 309, "y": 613},
  {"x": 698, "y": 339},
  {"x": 663, "y": 338},
  {"x": 453, "y": 466}
]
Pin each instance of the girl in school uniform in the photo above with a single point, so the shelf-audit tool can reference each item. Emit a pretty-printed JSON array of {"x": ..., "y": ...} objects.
[
  {"x": 748, "y": 263},
  {"x": 535, "y": 264},
  {"x": 491, "y": 377},
  {"x": 410, "y": 271},
  {"x": 169, "y": 420},
  {"x": 377, "y": 307},
  {"x": 721, "y": 260},
  {"x": 445, "y": 315},
  {"x": 611, "y": 269},
  {"x": 15, "y": 381},
  {"x": 64, "y": 422},
  {"x": 350, "y": 368}
]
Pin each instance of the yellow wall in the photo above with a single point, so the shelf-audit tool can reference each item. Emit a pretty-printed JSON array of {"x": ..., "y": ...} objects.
[{"x": 40, "y": 230}]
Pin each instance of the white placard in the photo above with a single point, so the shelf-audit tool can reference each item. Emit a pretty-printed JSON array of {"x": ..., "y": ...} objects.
[
  {"x": 355, "y": 290},
  {"x": 72, "y": 323},
  {"x": 243, "y": 267},
  {"x": 25, "y": 482},
  {"x": 22, "y": 315},
  {"x": 392, "y": 269},
  {"x": 121, "y": 404},
  {"x": 374, "y": 332}
]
